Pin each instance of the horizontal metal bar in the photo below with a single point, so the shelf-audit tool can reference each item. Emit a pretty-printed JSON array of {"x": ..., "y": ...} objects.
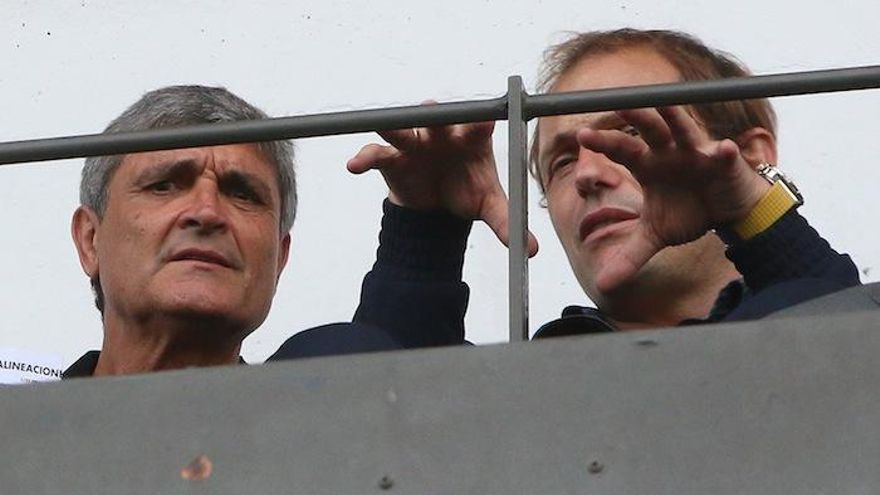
[
  {"x": 740, "y": 88},
  {"x": 440, "y": 114},
  {"x": 253, "y": 131}
]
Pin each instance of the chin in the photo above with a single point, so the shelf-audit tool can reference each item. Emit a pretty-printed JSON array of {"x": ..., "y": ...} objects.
[
  {"x": 600, "y": 289},
  {"x": 204, "y": 303}
]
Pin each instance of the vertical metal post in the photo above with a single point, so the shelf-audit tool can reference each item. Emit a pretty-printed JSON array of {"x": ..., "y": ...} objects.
[{"x": 518, "y": 259}]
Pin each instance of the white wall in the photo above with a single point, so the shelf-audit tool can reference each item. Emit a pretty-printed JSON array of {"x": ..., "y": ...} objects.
[{"x": 69, "y": 67}]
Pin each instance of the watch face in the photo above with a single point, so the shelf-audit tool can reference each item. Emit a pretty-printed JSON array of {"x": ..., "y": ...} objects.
[{"x": 774, "y": 175}]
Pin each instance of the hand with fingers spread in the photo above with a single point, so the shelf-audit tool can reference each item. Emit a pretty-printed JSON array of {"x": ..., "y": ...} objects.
[
  {"x": 691, "y": 182},
  {"x": 450, "y": 168}
]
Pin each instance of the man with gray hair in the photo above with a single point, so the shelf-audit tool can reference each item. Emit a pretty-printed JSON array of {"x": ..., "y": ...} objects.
[{"x": 184, "y": 248}]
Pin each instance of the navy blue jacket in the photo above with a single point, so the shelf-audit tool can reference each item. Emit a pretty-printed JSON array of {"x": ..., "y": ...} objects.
[{"x": 415, "y": 295}]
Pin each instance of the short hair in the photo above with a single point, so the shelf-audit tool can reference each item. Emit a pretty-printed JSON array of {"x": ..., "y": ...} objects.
[
  {"x": 176, "y": 106},
  {"x": 693, "y": 60}
]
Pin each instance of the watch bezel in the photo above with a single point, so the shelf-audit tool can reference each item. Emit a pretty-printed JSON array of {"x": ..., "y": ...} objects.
[{"x": 772, "y": 174}]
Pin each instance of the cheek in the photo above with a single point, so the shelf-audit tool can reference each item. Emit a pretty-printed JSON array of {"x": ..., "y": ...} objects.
[
  {"x": 560, "y": 217},
  {"x": 263, "y": 251},
  {"x": 629, "y": 180}
]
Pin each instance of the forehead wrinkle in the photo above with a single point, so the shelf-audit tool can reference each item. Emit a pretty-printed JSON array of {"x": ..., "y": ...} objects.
[
  {"x": 572, "y": 123},
  {"x": 593, "y": 120}
]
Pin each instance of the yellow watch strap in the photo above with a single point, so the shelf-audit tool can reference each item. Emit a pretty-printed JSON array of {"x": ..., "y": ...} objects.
[{"x": 769, "y": 209}]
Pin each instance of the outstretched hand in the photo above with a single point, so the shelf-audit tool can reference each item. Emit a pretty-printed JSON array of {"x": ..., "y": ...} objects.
[
  {"x": 691, "y": 183},
  {"x": 450, "y": 168}
]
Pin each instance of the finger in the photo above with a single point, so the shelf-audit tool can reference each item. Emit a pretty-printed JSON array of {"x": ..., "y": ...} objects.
[
  {"x": 727, "y": 152},
  {"x": 495, "y": 214},
  {"x": 441, "y": 134},
  {"x": 438, "y": 134},
  {"x": 371, "y": 156},
  {"x": 685, "y": 130},
  {"x": 476, "y": 132},
  {"x": 651, "y": 126},
  {"x": 402, "y": 139},
  {"x": 623, "y": 265},
  {"x": 619, "y": 147}
]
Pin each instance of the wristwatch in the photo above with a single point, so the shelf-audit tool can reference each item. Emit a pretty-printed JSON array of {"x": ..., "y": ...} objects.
[
  {"x": 773, "y": 175},
  {"x": 782, "y": 196}
]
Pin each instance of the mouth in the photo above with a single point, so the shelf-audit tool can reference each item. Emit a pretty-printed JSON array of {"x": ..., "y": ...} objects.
[
  {"x": 202, "y": 255},
  {"x": 601, "y": 219}
]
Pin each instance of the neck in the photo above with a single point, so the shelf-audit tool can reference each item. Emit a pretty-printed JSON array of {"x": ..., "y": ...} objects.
[
  {"x": 664, "y": 295},
  {"x": 164, "y": 344}
]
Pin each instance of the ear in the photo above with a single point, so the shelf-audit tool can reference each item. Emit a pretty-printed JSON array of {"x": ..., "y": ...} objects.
[
  {"x": 283, "y": 254},
  {"x": 84, "y": 229},
  {"x": 757, "y": 146}
]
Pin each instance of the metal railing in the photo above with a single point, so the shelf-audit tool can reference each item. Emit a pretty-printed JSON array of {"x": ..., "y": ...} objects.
[{"x": 517, "y": 107}]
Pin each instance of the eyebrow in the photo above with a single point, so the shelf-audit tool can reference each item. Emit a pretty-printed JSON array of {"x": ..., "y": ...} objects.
[
  {"x": 170, "y": 168},
  {"x": 608, "y": 120},
  {"x": 181, "y": 167},
  {"x": 559, "y": 141}
]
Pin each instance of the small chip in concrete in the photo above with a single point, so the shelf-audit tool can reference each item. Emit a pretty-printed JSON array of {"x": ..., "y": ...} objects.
[
  {"x": 386, "y": 482},
  {"x": 199, "y": 469}
]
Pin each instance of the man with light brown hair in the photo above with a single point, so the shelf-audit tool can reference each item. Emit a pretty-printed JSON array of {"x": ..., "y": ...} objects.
[{"x": 637, "y": 196}]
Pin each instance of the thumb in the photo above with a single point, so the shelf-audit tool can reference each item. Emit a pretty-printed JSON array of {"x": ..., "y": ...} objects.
[
  {"x": 623, "y": 264},
  {"x": 369, "y": 157}
]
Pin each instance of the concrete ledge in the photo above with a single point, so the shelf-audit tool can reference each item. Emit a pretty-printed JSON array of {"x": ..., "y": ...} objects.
[{"x": 780, "y": 406}]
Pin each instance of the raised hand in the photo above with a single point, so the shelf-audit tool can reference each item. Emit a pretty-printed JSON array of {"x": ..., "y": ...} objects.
[
  {"x": 691, "y": 183},
  {"x": 450, "y": 168}
]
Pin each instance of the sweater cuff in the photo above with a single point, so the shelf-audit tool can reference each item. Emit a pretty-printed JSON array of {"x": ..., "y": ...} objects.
[
  {"x": 790, "y": 249},
  {"x": 418, "y": 245}
]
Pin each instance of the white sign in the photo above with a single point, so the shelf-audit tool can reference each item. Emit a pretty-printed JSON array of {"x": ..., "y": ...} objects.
[{"x": 19, "y": 367}]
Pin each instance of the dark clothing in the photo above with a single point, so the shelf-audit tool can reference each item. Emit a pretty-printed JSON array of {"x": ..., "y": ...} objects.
[
  {"x": 413, "y": 297},
  {"x": 415, "y": 291},
  {"x": 326, "y": 340},
  {"x": 83, "y": 367},
  {"x": 336, "y": 339},
  {"x": 86, "y": 364}
]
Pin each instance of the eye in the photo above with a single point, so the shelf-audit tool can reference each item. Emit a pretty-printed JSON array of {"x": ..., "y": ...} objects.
[
  {"x": 560, "y": 164},
  {"x": 162, "y": 186},
  {"x": 244, "y": 194}
]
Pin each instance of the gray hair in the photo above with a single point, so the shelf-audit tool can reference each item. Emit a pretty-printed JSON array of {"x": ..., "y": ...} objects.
[{"x": 176, "y": 106}]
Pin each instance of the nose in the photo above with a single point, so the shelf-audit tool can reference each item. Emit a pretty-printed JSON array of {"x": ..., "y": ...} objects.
[
  {"x": 595, "y": 172},
  {"x": 204, "y": 212}
]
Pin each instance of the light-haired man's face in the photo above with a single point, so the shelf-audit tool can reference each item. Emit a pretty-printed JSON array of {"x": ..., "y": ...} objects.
[
  {"x": 595, "y": 203},
  {"x": 190, "y": 233}
]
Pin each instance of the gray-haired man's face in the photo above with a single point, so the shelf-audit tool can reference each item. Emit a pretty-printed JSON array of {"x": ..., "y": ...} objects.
[{"x": 190, "y": 233}]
